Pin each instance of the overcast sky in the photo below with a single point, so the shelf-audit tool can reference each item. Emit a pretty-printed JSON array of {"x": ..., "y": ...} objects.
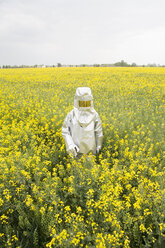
[{"x": 82, "y": 31}]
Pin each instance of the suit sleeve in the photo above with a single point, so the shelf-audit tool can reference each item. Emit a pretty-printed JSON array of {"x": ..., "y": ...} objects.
[
  {"x": 66, "y": 133},
  {"x": 98, "y": 132}
]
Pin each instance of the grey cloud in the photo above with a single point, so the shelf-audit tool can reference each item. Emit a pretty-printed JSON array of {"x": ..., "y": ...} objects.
[{"x": 76, "y": 31}]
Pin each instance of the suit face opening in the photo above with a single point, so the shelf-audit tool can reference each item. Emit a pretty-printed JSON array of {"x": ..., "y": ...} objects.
[{"x": 84, "y": 103}]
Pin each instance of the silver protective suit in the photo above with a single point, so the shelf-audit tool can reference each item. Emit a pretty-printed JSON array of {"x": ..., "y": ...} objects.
[{"x": 82, "y": 128}]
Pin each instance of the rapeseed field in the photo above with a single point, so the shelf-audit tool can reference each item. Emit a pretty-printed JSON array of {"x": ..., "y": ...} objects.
[{"x": 115, "y": 199}]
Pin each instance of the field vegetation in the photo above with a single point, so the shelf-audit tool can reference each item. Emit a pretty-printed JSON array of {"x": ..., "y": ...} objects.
[{"x": 115, "y": 199}]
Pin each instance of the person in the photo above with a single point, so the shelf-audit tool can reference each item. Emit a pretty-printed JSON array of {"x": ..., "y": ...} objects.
[{"x": 82, "y": 127}]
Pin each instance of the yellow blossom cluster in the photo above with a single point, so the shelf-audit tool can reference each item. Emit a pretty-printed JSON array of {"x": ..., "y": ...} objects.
[{"x": 114, "y": 199}]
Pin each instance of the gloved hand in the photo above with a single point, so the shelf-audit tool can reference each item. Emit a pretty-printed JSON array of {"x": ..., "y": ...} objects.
[
  {"x": 73, "y": 150},
  {"x": 98, "y": 149}
]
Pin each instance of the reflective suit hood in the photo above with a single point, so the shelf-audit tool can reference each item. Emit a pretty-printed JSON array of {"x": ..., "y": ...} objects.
[{"x": 84, "y": 115}]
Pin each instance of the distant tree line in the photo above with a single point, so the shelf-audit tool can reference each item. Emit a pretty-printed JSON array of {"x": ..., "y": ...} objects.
[{"x": 122, "y": 63}]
